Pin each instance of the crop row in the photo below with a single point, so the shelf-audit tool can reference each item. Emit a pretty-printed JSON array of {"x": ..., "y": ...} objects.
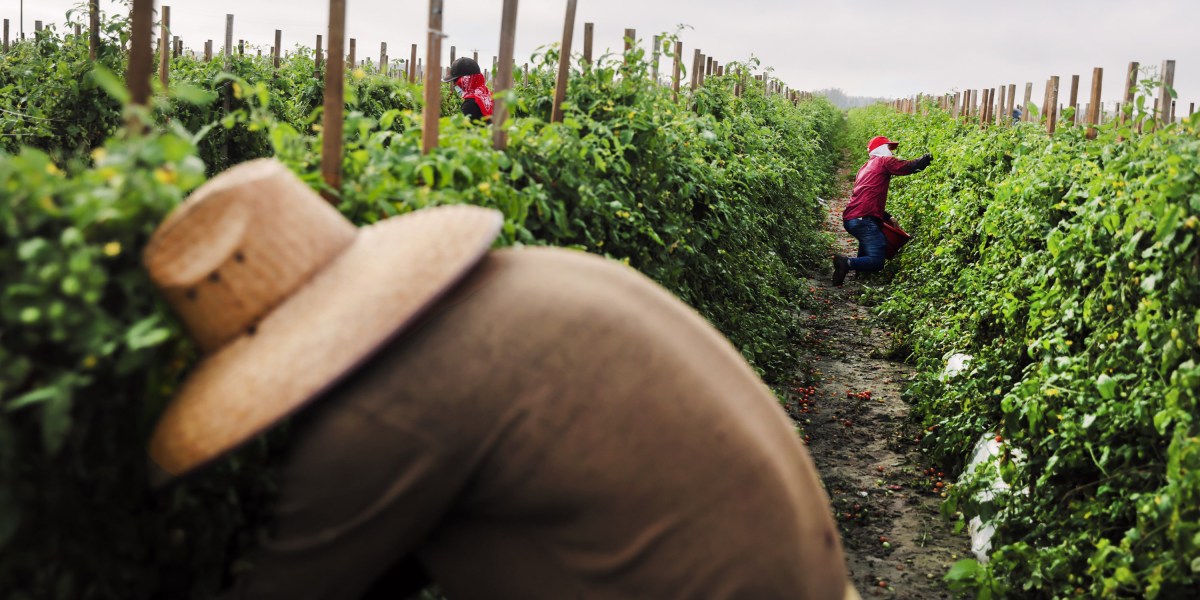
[{"x": 1069, "y": 270}]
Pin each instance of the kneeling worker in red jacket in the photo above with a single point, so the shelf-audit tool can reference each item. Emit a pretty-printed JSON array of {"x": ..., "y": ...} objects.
[{"x": 865, "y": 211}]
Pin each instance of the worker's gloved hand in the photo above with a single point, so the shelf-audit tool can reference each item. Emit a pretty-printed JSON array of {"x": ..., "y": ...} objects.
[{"x": 923, "y": 162}]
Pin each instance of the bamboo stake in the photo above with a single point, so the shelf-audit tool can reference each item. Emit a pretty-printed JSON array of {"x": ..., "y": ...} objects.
[
  {"x": 331, "y": 124},
  {"x": 504, "y": 73},
  {"x": 564, "y": 64},
  {"x": 278, "y": 43}
]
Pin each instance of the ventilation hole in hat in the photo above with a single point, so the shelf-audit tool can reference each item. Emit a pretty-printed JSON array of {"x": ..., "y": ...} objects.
[
  {"x": 239, "y": 257},
  {"x": 215, "y": 277},
  {"x": 251, "y": 330},
  {"x": 190, "y": 294}
]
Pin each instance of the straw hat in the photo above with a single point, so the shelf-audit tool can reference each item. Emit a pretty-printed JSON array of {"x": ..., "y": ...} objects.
[{"x": 285, "y": 297}]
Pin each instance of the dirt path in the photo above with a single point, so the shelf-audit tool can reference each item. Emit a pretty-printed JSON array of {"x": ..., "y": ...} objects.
[{"x": 848, "y": 402}]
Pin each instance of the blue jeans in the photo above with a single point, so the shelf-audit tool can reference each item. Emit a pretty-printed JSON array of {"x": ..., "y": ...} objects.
[{"x": 872, "y": 246}]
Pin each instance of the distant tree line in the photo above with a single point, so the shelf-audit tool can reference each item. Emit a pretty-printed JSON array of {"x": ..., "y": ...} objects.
[{"x": 840, "y": 99}]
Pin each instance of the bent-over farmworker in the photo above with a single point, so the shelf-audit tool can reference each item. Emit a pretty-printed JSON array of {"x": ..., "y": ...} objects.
[
  {"x": 522, "y": 423},
  {"x": 865, "y": 212},
  {"x": 470, "y": 85}
]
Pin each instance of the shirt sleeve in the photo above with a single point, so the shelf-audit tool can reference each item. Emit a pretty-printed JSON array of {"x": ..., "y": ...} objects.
[
  {"x": 895, "y": 166},
  {"x": 357, "y": 498}
]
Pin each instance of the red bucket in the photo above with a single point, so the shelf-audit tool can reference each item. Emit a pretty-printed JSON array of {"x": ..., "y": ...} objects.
[{"x": 896, "y": 238}]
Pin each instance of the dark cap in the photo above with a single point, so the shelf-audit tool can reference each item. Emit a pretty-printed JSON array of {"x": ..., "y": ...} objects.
[{"x": 463, "y": 67}]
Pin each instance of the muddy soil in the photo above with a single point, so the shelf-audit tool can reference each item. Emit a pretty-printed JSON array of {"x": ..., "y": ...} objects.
[{"x": 847, "y": 400}]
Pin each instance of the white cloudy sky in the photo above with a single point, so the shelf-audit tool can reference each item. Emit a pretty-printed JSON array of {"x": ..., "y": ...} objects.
[{"x": 866, "y": 47}]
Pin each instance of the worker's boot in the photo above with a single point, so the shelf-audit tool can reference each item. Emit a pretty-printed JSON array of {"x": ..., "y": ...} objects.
[{"x": 841, "y": 266}]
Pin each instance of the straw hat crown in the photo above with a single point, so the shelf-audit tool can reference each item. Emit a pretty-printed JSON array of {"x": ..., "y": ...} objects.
[
  {"x": 222, "y": 268},
  {"x": 286, "y": 297}
]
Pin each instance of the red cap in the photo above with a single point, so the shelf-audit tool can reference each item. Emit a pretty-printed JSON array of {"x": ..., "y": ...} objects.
[{"x": 878, "y": 141}]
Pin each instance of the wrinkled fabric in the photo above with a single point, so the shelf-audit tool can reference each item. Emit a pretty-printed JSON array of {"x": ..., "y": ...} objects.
[
  {"x": 869, "y": 198},
  {"x": 474, "y": 87},
  {"x": 883, "y": 150},
  {"x": 558, "y": 426}
]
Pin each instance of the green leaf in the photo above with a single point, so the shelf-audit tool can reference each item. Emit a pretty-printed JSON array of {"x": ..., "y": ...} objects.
[
  {"x": 147, "y": 333},
  {"x": 110, "y": 83},
  {"x": 963, "y": 571},
  {"x": 1107, "y": 386},
  {"x": 191, "y": 94}
]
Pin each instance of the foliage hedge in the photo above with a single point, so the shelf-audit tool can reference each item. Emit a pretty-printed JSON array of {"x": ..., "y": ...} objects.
[
  {"x": 1070, "y": 270},
  {"x": 714, "y": 197}
]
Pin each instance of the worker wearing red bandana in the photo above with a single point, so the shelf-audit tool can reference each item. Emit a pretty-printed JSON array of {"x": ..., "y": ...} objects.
[{"x": 471, "y": 86}]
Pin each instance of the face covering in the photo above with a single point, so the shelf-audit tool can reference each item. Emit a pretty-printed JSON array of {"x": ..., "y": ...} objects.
[
  {"x": 883, "y": 150},
  {"x": 475, "y": 87}
]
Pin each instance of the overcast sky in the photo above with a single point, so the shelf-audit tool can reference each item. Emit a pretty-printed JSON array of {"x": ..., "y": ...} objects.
[{"x": 865, "y": 47}]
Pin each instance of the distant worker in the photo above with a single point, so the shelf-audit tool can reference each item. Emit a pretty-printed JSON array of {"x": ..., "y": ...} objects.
[
  {"x": 1016, "y": 115},
  {"x": 865, "y": 213},
  {"x": 517, "y": 423},
  {"x": 471, "y": 86}
]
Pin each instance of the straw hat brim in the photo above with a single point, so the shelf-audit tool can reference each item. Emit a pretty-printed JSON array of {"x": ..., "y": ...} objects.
[{"x": 379, "y": 286}]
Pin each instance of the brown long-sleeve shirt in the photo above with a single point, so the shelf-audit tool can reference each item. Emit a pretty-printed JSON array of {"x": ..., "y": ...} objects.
[{"x": 558, "y": 427}]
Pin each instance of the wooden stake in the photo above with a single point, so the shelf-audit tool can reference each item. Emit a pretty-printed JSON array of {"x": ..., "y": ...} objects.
[
  {"x": 137, "y": 77},
  {"x": 954, "y": 107},
  {"x": 453, "y": 52},
  {"x": 228, "y": 51},
  {"x": 1025, "y": 116},
  {"x": 335, "y": 100},
  {"x": 433, "y": 85},
  {"x": 412, "y": 64},
  {"x": 564, "y": 64},
  {"x": 1052, "y": 105},
  {"x": 93, "y": 29},
  {"x": 588, "y": 32},
  {"x": 1164, "y": 97},
  {"x": 1012, "y": 100},
  {"x": 655, "y": 58},
  {"x": 697, "y": 60},
  {"x": 383, "y": 58},
  {"x": 318, "y": 58},
  {"x": 6, "y": 38},
  {"x": 278, "y": 44},
  {"x": 504, "y": 73},
  {"x": 999, "y": 118},
  {"x": 630, "y": 40},
  {"x": 353, "y": 49},
  {"x": 1131, "y": 77},
  {"x": 208, "y": 51},
  {"x": 678, "y": 68},
  {"x": 1095, "y": 106},
  {"x": 164, "y": 57}
]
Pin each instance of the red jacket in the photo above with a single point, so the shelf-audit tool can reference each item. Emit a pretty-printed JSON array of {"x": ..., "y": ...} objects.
[{"x": 871, "y": 186}]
